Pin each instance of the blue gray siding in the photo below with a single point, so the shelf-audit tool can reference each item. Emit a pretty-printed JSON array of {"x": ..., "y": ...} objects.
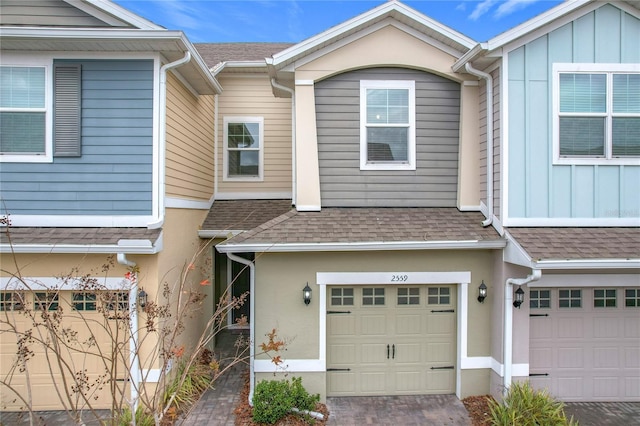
[
  {"x": 537, "y": 188},
  {"x": 113, "y": 176},
  {"x": 435, "y": 180}
]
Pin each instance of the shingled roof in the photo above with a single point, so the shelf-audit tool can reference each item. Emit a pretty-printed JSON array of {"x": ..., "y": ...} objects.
[
  {"x": 234, "y": 216},
  {"x": 579, "y": 243},
  {"x": 343, "y": 226},
  {"x": 216, "y": 53}
]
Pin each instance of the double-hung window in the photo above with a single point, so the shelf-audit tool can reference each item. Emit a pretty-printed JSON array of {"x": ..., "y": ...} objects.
[
  {"x": 243, "y": 148},
  {"x": 387, "y": 125},
  {"x": 596, "y": 113}
]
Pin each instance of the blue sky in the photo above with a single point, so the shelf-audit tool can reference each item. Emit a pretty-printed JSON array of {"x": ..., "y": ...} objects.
[{"x": 297, "y": 20}]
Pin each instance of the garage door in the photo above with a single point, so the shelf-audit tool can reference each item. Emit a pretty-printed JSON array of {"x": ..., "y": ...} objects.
[
  {"x": 46, "y": 378},
  {"x": 384, "y": 340},
  {"x": 585, "y": 343}
]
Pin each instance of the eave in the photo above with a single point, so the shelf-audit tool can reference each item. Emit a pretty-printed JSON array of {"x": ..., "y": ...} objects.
[{"x": 123, "y": 246}]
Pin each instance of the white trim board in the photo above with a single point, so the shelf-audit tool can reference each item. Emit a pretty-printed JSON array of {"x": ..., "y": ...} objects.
[{"x": 55, "y": 283}]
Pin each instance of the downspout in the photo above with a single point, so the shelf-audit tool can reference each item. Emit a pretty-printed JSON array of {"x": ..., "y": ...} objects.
[
  {"x": 508, "y": 323},
  {"x": 163, "y": 135},
  {"x": 252, "y": 323},
  {"x": 135, "y": 372},
  {"x": 489, "y": 101},
  {"x": 294, "y": 182}
]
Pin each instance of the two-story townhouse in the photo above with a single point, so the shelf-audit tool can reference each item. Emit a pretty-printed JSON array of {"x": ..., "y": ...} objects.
[
  {"x": 403, "y": 210},
  {"x": 106, "y": 149},
  {"x": 565, "y": 192}
]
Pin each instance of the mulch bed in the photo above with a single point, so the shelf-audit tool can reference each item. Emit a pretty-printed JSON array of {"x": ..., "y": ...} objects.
[
  {"x": 478, "y": 408},
  {"x": 244, "y": 412}
]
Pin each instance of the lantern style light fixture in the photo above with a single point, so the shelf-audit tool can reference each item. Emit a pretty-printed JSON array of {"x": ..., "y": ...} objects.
[
  {"x": 142, "y": 298},
  {"x": 482, "y": 292},
  {"x": 306, "y": 294},
  {"x": 519, "y": 297}
]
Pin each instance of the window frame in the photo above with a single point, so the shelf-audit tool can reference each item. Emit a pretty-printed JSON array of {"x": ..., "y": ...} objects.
[
  {"x": 581, "y": 68},
  {"x": 47, "y": 64},
  {"x": 243, "y": 119},
  {"x": 409, "y": 85}
]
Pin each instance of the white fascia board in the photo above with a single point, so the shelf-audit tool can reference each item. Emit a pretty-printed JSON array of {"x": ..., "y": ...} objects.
[
  {"x": 515, "y": 253},
  {"x": 91, "y": 33},
  {"x": 478, "y": 50},
  {"x": 361, "y": 246},
  {"x": 219, "y": 233},
  {"x": 255, "y": 65},
  {"x": 146, "y": 248},
  {"x": 587, "y": 264},
  {"x": 57, "y": 283},
  {"x": 70, "y": 221},
  {"x": 106, "y": 10},
  {"x": 361, "y": 21}
]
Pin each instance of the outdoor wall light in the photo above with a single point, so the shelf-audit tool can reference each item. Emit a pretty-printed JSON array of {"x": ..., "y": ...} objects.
[
  {"x": 306, "y": 294},
  {"x": 142, "y": 298},
  {"x": 519, "y": 297},
  {"x": 482, "y": 292}
]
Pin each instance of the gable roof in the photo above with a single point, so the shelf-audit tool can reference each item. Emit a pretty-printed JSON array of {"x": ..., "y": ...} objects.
[
  {"x": 344, "y": 229},
  {"x": 230, "y": 217},
  {"x": 486, "y": 52},
  {"x": 215, "y": 54},
  {"x": 390, "y": 9}
]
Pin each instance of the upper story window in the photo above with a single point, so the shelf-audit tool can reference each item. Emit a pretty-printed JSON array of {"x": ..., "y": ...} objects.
[
  {"x": 244, "y": 148},
  {"x": 39, "y": 109},
  {"x": 387, "y": 125},
  {"x": 596, "y": 113}
]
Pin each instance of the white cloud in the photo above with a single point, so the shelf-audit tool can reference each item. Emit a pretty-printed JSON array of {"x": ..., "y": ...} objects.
[
  {"x": 511, "y": 6},
  {"x": 462, "y": 7},
  {"x": 482, "y": 8}
]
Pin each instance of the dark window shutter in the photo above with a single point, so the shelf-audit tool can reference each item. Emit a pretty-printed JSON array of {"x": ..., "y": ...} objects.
[{"x": 66, "y": 110}]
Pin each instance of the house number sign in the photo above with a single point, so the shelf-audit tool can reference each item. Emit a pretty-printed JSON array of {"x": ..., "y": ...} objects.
[{"x": 399, "y": 278}]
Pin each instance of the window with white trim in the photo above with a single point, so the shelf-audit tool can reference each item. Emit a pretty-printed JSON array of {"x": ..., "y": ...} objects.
[
  {"x": 244, "y": 146},
  {"x": 387, "y": 125},
  {"x": 596, "y": 113}
]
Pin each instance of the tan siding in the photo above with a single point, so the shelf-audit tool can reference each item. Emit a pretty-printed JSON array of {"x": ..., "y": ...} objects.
[
  {"x": 190, "y": 155},
  {"x": 50, "y": 13},
  {"x": 251, "y": 96}
]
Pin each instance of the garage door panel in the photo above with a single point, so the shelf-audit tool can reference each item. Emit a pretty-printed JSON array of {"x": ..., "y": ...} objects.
[
  {"x": 373, "y": 382},
  {"x": 343, "y": 353},
  {"x": 632, "y": 328},
  {"x": 440, "y": 381},
  {"x": 605, "y": 327},
  {"x": 408, "y": 353},
  {"x": 408, "y": 324},
  {"x": 571, "y": 328},
  {"x": 572, "y": 388},
  {"x": 631, "y": 357},
  {"x": 570, "y": 358},
  {"x": 341, "y": 383},
  {"x": 441, "y": 324},
  {"x": 606, "y": 357},
  {"x": 632, "y": 387},
  {"x": 342, "y": 324},
  {"x": 409, "y": 381},
  {"x": 373, "y": 353},
  {"x": 373, "y": 325}
]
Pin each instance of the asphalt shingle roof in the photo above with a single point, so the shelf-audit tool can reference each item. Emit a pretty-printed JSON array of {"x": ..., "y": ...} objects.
[
  {"x": 76, "y": 236},
  {"x": 215, "y": 53},
  {"x": 243, "y": 215},
  {"x": 352, "y": 225},
  {"x": 579, "y": 243}
]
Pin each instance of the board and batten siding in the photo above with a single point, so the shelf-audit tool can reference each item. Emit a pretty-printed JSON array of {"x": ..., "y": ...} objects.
[
  {"x": 48, "y": 13},
  {"x": 250, "y": 95},
  {"x": 495, "y": 74},
  {"x": 432, "y": 184},
  {"x": 113, "y": 176},
  {"x": 537, "y": 187},
  {"x": 190, "y": 156}
]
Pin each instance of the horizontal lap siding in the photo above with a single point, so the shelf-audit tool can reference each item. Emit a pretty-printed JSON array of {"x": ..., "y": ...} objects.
[
  {"x": 190, "y": 153},
  {"x": 432, "y": 184},
  {"x": 114, "y": 174},
  {"x": 50, "y": 13}
]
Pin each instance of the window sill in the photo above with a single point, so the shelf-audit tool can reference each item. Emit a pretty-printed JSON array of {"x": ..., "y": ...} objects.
[
  {"x": 618, "y": 161},
  {"x": 388, "y": 166}
]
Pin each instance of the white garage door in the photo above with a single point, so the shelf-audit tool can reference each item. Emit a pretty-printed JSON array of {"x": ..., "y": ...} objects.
[
  {"x": 585, "y": 343},
  {"x": 384, "y": 340}
]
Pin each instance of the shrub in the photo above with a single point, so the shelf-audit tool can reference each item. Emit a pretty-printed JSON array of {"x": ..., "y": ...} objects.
[
  {"x": 142, "y": 418},
  {"x": 274, "y": 399},
  {"x": 524, "y": 406}
]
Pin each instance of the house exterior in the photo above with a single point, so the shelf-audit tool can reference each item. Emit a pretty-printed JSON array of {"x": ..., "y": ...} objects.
[
  {"x": 106, "y": 150},
  {"x": 393, "y": 166}
]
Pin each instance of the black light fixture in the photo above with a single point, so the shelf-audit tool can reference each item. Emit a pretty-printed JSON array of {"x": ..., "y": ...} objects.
[
  {"x": 482, "y": 292},
  {"x": 142, "y": 298},
  {"x": 306, "y": 294},
  {"x": 519, "y": 298}
]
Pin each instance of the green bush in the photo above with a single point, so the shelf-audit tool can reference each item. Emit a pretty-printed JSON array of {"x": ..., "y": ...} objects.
[
  {"x": 524, "y": 406},
  {"x": 142, "y": 418},
  {"x": 274, "y": 399}
]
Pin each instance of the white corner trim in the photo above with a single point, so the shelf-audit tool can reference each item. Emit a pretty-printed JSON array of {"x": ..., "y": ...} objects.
[
  {"x": 470, "y": 208},
  {"x": 183, "y": 203},
  {"x": 253, "y": 196},
  {"x": 290, "y": 366},
  {"x": 48, "y": 283},
  {"x": 476, "y": 363},
  {"x": 305, "y": 82},
  {"x": 308, "y": 208},
  {"x": 520, "y": 370}
]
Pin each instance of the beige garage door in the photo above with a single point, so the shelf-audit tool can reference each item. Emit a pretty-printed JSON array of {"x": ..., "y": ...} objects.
[
  {"x": 388, "y": 340},
  {"x": 585, "y": 343},
  {"x": 48, "y": 378}
]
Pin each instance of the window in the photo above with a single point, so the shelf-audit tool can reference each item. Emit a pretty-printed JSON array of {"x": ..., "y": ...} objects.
[
  {"x": 632, "y": 297},
  {"x": 439, "y": 296},
  {"x": 84, "y": 301},
  {"x": 117, "y": 301},
  {"x": 597, "y": 113},
  {"x": 39, "y": 110},
  {"x": 46, "y": 301},
  {"x": 372, "y": 296},
  {"x": 342, "y": 296},
  {"x": 409, "y": 296},
  {"x": 387, "y": 125},
  {"x": 243, "y": 148},
  {"x": 539, "y": 299},
  {"x": 11, "y": 301},
  {"x": 569, "y": 298},
  {"x": 604, "y": 298}
]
